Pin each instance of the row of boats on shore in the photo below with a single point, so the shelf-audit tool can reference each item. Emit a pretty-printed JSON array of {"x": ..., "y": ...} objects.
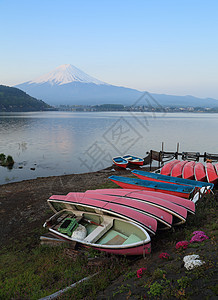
[
  {"x": 191, "y": 170},
  {"x": 124, "y": 161},
  {"x": 123, "y": 220},
  {"x": 185, "y": 169}
]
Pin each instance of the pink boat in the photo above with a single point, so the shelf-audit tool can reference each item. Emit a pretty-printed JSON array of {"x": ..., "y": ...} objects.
[
  {"x": 187, "y": 204},
  {"x": 179, "y": 213},
  {"x": 127, "y": 213},
  {"x": 199, "y": 172},
  {"x": 90, "y": 226},
  {"x": 177, "y": 169},
  {"x": 211, "y": 173},
  {"x": 188, "y": 170},
  {"x": 164, "y": 218},
  {"x": 166, "y": 169}
]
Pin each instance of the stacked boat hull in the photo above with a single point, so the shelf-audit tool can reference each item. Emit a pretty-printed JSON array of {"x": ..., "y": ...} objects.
[
  {"x": 123, "y": 219},
  {"x": 191, "y": 170}
]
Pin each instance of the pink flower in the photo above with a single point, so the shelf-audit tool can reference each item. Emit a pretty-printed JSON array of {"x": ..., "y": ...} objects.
[
  {"x": 140, "y": 272},
  {"x": 199, "y": 236},
  {"x": 164, "y": 255},
  {"x": 182, "y": 244},
  {"x": 198, "y": 232}
]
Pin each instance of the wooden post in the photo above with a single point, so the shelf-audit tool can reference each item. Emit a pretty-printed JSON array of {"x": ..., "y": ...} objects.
[
  {"x": 177, "y": 151},
  {"x": 150, "y": 159},
  {"x": 159, "y": 159}
]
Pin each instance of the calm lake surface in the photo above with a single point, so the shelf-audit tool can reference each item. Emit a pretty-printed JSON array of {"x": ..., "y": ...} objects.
[{"x": 57, "y": 143}]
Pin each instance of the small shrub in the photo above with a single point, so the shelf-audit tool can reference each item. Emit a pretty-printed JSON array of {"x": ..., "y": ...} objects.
[
  {"x": 158, "y": 273},
  {"x": 9, "y": 161},
  {"x": 2, "y": 157},
  {"x": 6, "y": 162},
  {"x": 184, "y": 282},
  {"x": 129, "y": 275},
  {"x": 155, "y": 289}
]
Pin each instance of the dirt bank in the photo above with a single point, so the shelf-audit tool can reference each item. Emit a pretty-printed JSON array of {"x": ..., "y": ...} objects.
[{"x": 23, "y": 204}]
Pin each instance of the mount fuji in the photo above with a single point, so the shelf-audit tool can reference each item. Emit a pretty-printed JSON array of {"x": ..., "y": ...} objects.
[
  {"x": 68, "y": 85},
  {"x": 66, "y": 74}
]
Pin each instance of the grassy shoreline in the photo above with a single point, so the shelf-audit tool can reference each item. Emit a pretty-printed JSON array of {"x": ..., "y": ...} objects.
[{"x": 29, "y": 270}]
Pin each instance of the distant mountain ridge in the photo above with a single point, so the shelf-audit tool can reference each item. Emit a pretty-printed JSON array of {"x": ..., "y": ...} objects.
[
  {"x": 69, "y": 85},
  {"x": 14, "y": 100}
]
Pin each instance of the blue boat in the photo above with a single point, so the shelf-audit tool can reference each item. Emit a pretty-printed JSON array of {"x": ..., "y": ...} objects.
[
  {"x": 183, "y": 191},
  {"x": 120, "y": 161},
  {"x": 169, "y": 179}
]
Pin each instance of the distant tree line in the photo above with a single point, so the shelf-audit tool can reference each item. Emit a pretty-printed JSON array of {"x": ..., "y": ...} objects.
[{"x": 15, "y": 100}]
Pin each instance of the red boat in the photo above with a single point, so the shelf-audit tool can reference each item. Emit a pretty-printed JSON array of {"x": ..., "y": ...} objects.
[
  {"x": 211, "y": 173},
  {"x": 216, "y": 167},
  {"x": 177, "y": 169},
  {"x": 120, "y": 162},
  {"x": 199, "y": 172},
  {"x": 167, "y": 168},
  {"x": 188, "y": 170},
  {"x": 134, "y": 160}
]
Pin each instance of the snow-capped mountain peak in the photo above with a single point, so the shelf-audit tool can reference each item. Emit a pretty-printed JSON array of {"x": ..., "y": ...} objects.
[{"x": 66, "y": 74}]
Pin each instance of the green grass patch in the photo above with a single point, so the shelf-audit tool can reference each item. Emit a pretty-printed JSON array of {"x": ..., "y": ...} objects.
[
  {"x": 37, "y": 273},
  {"x": 32, "y": 271}
]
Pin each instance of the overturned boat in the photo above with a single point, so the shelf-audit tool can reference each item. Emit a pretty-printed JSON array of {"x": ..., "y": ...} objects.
[
  {"x": 175, "y": 180},
  {"x": 187, "y": 192}
]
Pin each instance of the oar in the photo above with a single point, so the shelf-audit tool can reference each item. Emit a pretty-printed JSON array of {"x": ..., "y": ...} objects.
[{"x": 91, "y": 222}]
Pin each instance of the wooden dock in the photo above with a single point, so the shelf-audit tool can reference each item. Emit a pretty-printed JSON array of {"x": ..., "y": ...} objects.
[{"x": 164, "y": 156}]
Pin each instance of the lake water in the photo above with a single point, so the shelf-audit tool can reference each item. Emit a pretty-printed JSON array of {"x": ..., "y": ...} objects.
[{"x": 57, "y": 143}]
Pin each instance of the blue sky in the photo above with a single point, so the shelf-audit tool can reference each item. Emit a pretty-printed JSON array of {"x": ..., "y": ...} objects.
[{"x": 162, "y": 46}]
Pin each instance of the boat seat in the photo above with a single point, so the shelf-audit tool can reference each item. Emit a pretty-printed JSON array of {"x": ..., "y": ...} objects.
[
  {"x": 132, "y": 239},
  {"x": 98, "y": 232}
]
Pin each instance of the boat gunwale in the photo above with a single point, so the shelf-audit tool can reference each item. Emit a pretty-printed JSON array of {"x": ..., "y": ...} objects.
[
  {"x": 192, "y": 182},
  {"x": 196, "y": 177},
  {"x": 161, "y": 196},
  {"x": 109, "y": 211},
  {"x": 163, "y": 221},
  {"x": 167, "y": 209},
  {"x": 120, "y": 246},
  {"x": 161, "y": 186}
]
